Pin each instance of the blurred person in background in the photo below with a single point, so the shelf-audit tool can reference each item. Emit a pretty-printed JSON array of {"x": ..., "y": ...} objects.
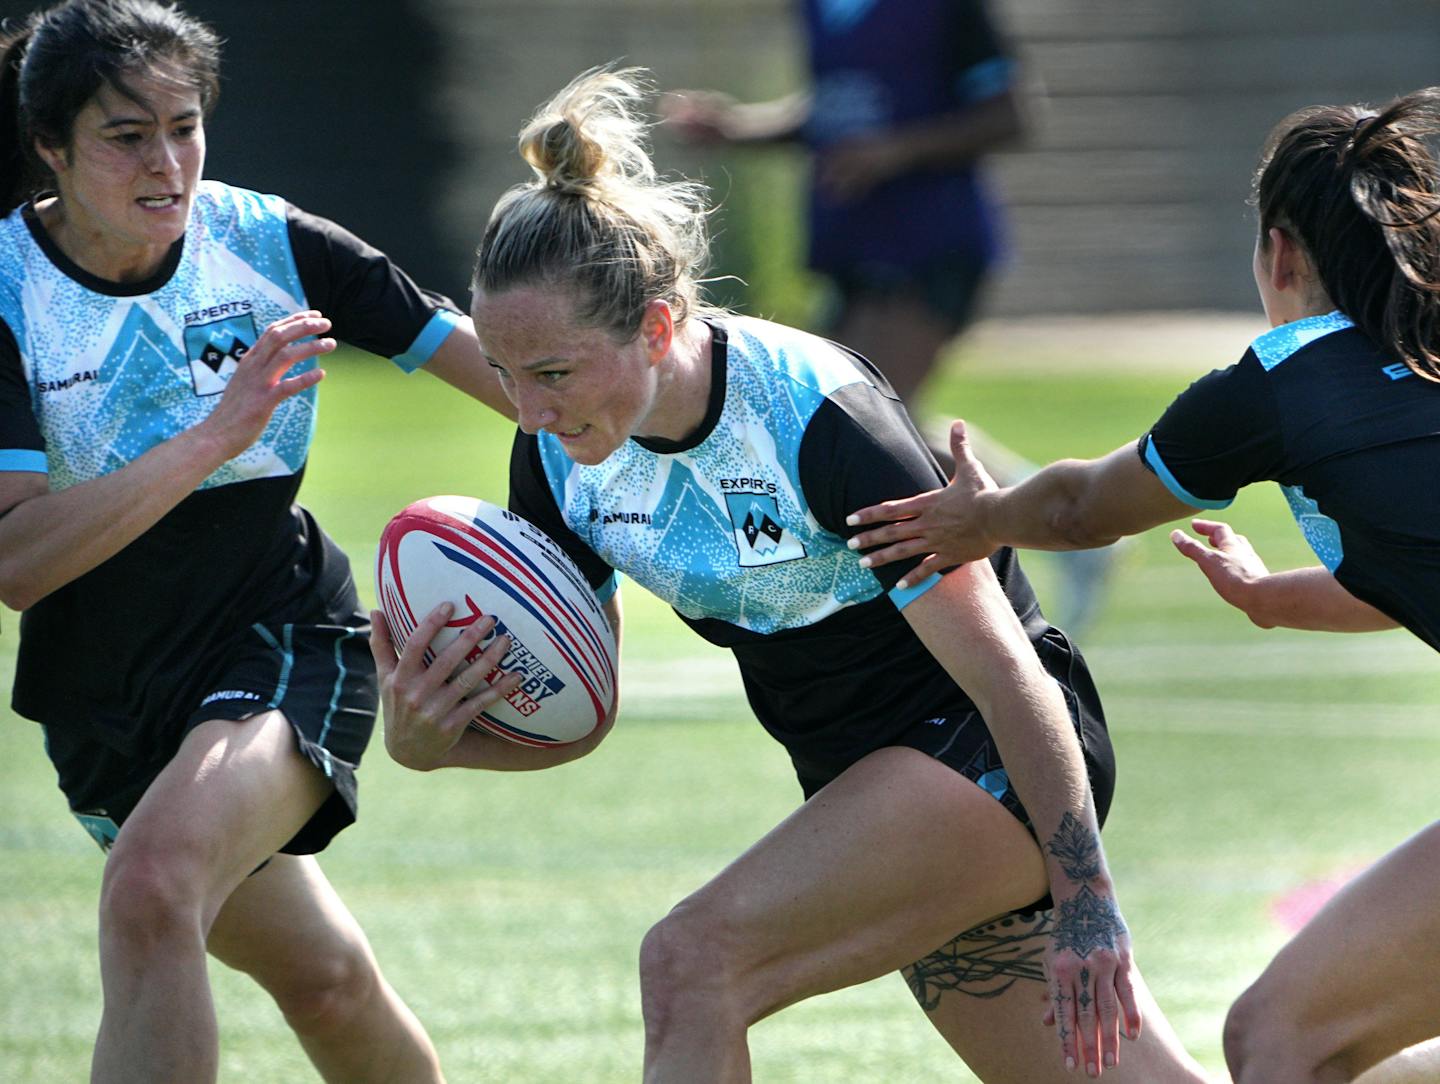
[{"x": 906, "y": 100}]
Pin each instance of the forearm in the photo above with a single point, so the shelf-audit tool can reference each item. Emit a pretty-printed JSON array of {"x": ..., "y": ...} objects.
[
  {"x": 1053, "y": 509},
  {"x": 1309, "y": 598},
  {"x": 460, "y": 364},
  {"x": 953, "y": 140},
  {"x": 482, "y": 750},
  {"x": 54, "y": 538},
  {"x": 778, "y": 121},
  {"x": 1036, "y": 740}
]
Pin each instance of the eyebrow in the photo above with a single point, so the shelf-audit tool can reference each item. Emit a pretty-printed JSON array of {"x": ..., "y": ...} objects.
[
  {"x": 121, "y": 122},
  {"x": 542, "y": 363}
]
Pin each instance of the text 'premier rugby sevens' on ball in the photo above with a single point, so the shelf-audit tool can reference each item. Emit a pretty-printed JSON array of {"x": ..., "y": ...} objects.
[{"x": 486, "y": 560}]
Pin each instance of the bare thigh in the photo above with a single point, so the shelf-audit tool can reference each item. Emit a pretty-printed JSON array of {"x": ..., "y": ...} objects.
[
  {"x": 234, "y": 793},
  {"x": 883, "y": 865},
  {"x": 1357, "y": 983}
]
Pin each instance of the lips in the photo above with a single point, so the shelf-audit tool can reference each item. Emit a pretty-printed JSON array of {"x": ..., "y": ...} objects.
[{"x": 158, "y": 203}]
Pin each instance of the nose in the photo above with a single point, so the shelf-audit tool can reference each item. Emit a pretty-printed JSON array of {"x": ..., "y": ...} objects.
[
  {"x": 162, "y": 157},
  {"x": 534, "y": 409}
]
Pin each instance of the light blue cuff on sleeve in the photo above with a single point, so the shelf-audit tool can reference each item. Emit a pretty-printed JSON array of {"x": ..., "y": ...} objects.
[
  {"x": 1163, "y": 473},
  {"x": 24, "y": 459},
  {"x": 903, "y": 597},
  {"x": 428, "y": 341}
]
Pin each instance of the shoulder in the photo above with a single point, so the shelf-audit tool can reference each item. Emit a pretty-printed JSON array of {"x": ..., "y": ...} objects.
[
  {"x": 791, "y": 356},
  {"x": 219, "y": 204}
]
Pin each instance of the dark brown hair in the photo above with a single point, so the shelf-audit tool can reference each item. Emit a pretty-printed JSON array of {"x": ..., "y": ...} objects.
[
  {"x": 55, "y": 61},
  {"x": 1360, "y": 189}
]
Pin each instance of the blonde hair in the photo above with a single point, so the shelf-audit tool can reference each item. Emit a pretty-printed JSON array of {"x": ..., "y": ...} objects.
[{"x": 598, "y": 220}]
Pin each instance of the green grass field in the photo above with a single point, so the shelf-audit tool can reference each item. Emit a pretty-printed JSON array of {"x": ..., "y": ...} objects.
[{"x": 508, "y": 909}]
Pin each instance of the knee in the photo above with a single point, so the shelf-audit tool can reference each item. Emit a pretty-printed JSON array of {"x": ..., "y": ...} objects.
[
  {"x": 147, "y": 900},
  {"x": 331, "y": 991},
  {"x": 1263, "y": 1043},
  {"x": 685, "y": 963}
]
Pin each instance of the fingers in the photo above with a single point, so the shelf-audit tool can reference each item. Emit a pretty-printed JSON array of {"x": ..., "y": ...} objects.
[
  {"x": 1086, "y": 1023},
  {"x": 381, "y": 646},
  {"x": 931, "y": 566},
  {"x": 887, "y": 512},
  {"x": 1107, "y": 1006},
  {"x": 910, "y": 547},
  {"x": 1129, "y": 1005},
  {"x": 291, "y": 340},
  {"x": 1062, "y": 1010}
]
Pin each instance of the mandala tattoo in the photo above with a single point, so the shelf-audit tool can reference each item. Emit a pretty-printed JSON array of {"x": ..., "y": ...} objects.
[
  {"x": 1088, "y": 922},
  {"x": 1076, "y": 848},
  {"x": 983, "y": 962}
]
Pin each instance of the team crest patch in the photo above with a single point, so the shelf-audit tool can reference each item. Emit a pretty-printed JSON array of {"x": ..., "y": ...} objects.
[
  {"x": 214, "y": 349},
  {"x": 760, "y": 536}
]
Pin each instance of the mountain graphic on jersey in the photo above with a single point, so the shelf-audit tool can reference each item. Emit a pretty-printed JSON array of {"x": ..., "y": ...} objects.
[
  {"x": 214, "y": 349},
  {"x": 760, "y": 537}
]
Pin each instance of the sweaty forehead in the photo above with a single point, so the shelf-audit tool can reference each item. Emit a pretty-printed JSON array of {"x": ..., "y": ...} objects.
[{"x": 528, "y": 323}]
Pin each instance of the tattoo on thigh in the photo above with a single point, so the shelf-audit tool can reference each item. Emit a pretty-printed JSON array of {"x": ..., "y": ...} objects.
[{"x": 984, "y": 961}]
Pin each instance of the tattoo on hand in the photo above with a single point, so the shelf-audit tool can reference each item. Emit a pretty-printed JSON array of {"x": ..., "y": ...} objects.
[
  {"x": 1088, "y": 922},
  {"x": 1076, "y": 848},
  {"x": 1084, "y": 999}
]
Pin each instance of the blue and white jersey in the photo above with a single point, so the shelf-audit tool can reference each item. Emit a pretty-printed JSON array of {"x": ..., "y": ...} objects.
[
  {"x": 1352, "y": 436},
  {"x": 114, "y": 370},
  {"x": 741, "y": 528},
  {"x": 94, "y": 373}
]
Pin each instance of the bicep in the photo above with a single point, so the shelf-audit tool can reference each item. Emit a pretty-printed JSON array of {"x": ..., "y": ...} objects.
[
  {"x": 966, "y": 622},
  {"x": 1121, "y": 496}
]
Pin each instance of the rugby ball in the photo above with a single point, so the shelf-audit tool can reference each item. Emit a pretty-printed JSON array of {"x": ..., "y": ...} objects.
[{"x": 487, "y": 560}]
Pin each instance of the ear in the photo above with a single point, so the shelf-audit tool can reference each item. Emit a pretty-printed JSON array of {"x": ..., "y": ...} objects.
[
  {"x": 55, "y": 158},
  {"x": 1289, "y": 264},
  {"x": 657, "y": 330}
]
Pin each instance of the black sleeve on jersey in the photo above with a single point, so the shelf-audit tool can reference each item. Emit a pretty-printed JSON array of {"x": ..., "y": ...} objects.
[
  {"x": 860, "y": 449},
  {"x": 530, "y": 496},
  {"x": 1220, "y": 434},
  {"x": 19, "y": 429},
  {"x": 371, "y": 302}
]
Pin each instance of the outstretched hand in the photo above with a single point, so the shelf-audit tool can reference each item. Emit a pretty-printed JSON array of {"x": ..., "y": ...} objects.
[
  {"x": 945, "y": 525},
  {"x": 259, "y": 384},
  {"x": 1229, "y": 562}
]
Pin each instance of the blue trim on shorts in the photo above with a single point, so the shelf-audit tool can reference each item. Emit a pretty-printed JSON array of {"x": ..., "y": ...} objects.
[
  {"x": 1172, "y": 484},
  {"x": 287, "y": 660},
  {"x": 350, "y": 634}
]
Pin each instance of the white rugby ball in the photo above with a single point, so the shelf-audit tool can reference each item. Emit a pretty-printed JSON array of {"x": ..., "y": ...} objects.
[{"x": 487, "y": 560}]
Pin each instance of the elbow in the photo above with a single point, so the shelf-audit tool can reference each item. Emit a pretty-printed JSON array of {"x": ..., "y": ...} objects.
[
  {"x": 18, "y": 590},
  {"x": 1072, "y": 527}
]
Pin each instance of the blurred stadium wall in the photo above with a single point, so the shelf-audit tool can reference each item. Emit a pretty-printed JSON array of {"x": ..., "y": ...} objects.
[{"x": 398, "y": 118}]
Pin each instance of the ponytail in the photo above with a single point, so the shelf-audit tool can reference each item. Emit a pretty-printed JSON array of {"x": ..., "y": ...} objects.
[{"x": 1360, "y": 189}]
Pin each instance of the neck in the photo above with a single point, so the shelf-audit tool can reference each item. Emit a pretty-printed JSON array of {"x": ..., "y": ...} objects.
[
  {"x": 92, "y": 251},
  {"x": 683, "y": 394}
]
